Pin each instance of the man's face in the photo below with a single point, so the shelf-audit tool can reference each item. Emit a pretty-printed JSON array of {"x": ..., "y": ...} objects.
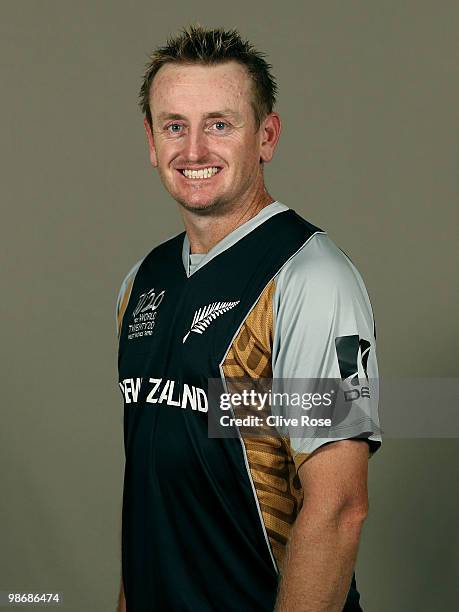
[{"x": 202, "y": 118}]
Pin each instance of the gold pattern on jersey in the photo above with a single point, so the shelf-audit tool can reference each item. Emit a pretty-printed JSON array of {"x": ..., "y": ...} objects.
[{"x": 269, "y": 456}]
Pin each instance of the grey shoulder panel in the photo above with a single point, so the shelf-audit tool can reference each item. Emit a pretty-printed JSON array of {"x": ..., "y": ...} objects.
[{"x": 320, "y": 298}]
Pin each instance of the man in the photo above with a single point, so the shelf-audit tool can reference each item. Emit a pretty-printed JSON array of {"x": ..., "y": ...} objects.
[{"x": 249, "y": 289}]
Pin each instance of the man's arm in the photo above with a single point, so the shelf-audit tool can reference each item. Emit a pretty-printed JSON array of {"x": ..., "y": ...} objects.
[
  {"x": 121, "y": 600},
  {"x": 322, "y": 551}
]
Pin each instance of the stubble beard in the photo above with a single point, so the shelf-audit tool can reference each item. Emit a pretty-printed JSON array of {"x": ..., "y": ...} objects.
[
  {"x": 214, "y": 206},
  {"x": 217, "y": 206}
]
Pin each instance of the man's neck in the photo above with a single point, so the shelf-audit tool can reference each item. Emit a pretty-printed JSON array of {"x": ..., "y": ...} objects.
[{"x": 204, "y": 232}]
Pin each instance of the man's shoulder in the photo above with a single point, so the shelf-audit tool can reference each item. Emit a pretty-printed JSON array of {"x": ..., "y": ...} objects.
[
  {"x": 170, "y": 245},
  {"x": 321, "y": 286},
  {"x": 319, "y": 263},
  {"x": 124, "y": 292}
]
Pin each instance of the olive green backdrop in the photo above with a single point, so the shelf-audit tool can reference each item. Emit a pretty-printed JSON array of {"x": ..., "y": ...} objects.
[{"x": 369, "y": 99}]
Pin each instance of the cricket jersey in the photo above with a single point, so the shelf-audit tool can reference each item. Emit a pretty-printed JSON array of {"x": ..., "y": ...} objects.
[{"x": 206, "y": 520}]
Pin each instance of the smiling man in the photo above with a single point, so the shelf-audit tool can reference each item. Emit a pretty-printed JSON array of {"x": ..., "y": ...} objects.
[{"x": 249, "y": 289}]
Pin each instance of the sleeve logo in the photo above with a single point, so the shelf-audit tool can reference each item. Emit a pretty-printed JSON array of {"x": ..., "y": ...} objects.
[{"x": 352, "y": 352}]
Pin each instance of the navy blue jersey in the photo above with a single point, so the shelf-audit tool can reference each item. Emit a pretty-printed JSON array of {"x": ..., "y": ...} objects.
[{"x": 206, "y": 520}]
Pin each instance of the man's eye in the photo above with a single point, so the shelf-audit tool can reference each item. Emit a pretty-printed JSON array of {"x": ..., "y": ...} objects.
[
  {"x": 220, "y": 123},
  {"x": 173, "y": 125}
]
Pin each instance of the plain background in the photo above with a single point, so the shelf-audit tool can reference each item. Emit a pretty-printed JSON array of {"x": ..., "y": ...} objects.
[{"x": 368, "y": 95}]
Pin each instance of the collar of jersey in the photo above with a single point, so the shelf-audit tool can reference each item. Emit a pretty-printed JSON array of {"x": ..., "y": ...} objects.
[{"x": 265, "y": 213}]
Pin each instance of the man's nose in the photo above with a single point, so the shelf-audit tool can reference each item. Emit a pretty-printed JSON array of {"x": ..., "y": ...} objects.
[{"x": 195, "y": 145}]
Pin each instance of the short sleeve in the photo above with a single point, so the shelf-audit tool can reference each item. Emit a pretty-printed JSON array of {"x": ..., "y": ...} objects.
[{"x": 324, "y": 330}]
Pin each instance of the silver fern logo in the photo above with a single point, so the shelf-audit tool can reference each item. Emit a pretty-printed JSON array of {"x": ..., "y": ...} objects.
[{"x": 205, "y": 315}]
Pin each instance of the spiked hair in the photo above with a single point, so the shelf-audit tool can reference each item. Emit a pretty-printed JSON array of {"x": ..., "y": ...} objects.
[{"x": 198, "y": 45}]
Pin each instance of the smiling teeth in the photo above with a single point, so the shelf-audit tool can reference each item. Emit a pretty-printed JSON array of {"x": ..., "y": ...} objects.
[{"x": 199, "y": 174}]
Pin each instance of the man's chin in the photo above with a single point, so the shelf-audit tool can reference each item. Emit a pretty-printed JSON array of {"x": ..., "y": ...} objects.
[{"x": 201, "y": 208}]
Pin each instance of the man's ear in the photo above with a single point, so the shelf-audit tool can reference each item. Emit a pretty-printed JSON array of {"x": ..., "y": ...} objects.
[
  {"x": 151, "y": 144},
  {"x": 270, "y": 133}
]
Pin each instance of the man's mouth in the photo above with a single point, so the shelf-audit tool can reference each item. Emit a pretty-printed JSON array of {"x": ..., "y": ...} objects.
[{"x": 201, "y": 173}]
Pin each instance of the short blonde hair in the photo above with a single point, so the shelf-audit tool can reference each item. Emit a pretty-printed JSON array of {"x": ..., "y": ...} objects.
[{"x": 198, "y": 45}]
